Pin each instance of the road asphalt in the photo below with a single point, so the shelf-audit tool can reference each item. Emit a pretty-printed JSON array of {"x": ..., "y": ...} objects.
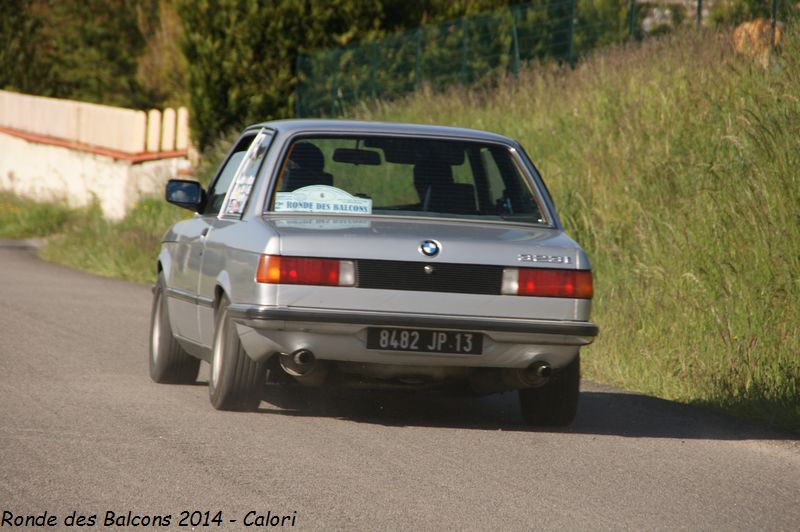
[{"x": 84, "y": 432}]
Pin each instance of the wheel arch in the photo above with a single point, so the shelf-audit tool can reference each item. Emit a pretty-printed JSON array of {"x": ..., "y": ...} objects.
[
  {"x": 222, "y": 288},
  {"x": 164, "y": 264}
]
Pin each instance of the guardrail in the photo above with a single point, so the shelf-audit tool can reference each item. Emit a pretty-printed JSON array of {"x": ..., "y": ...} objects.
[{"x": 87, "y": 125}]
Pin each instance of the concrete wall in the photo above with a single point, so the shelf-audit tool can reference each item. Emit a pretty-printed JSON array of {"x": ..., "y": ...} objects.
[
  {"x": 103, "y": 126},
  {"x": 48, "y": 172},
  {"x": 78, "y": 152}
]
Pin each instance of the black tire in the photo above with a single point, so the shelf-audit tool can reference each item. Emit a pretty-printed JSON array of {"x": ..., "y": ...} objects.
[
  {"x": 236, "y": 381},
  {"x": 169, "y": 363},
  {"x": 556, "y": 403}
]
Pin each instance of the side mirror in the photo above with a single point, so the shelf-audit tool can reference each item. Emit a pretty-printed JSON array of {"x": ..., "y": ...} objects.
[{"x": 186, "y": 194}]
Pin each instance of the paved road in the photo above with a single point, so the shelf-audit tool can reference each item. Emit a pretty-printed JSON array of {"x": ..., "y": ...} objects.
[{"x": 82, "y": 429}]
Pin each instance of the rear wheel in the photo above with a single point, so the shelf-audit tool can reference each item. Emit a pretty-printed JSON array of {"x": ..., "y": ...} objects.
[
  {"x": 169, "y": 363},
  {"x": 556, "y": 403},
  {"x": 236, "y": 380}
]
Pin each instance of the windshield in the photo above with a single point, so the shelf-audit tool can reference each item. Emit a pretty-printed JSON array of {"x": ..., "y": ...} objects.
[{"x": 400, "y": 176}]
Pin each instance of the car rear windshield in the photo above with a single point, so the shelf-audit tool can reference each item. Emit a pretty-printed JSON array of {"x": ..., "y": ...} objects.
[{"x": 398, "y": 176}]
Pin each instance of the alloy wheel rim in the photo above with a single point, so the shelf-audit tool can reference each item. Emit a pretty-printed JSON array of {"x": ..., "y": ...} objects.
[
  {"x": 219, "y": 340},
  {"x": 155, "y": 336}
]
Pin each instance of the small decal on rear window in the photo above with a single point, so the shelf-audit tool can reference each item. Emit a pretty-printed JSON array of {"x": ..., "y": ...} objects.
[
  {"x": 321, "y": 199},
  {"x": 327, "y": 223}
]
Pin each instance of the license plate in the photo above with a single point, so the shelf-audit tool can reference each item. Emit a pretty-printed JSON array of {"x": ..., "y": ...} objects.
[{"x": 425, "y": 341}]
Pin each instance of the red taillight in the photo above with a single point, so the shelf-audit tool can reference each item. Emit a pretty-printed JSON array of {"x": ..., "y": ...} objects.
[
  {"x": 299, "y": 270},
  {"x": 544, "y": 282}
]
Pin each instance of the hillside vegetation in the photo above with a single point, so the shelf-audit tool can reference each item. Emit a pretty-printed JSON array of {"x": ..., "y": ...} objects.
[{"x": 675, "y": 163}]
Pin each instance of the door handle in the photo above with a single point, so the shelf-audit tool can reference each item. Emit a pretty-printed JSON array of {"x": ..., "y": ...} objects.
[{"x": 204, "y": 233}]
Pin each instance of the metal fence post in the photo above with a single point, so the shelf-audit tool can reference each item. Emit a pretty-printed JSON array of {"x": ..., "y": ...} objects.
[
  {"x": 464, "y": 50},
  {"x": 699, "y": 13},
  {"x": 418, "y": 59},
  {"x": 573, "y": 7},
  {"x": 632, "y": 19},
  {"x": 298, "y": 87},
  {"x": 335, "y": 93},
  {"x": 774, "y": 23},
  {"x": 515, "y": 39},
  {"x": 373, "y": 59}
]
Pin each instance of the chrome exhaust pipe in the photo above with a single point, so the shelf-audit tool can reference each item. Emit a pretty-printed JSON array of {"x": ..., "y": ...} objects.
[
  {"x": 304, "y": 367},
  {"x": 538, "y": 373},
  {"x": 303, "y": 358},
  {"x": 298, "y": 363},
  {"x": 498, "y": 380}
]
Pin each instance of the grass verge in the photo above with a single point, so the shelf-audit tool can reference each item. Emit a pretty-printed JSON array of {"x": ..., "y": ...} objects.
[
  {"x": 125, "y": 250},
  {"x": 675, "y": 163},
  {"x": 23, "y": 218}
]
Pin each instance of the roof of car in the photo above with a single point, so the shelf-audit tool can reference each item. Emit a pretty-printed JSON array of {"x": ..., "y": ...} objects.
[{"x": 392, "y": 128}]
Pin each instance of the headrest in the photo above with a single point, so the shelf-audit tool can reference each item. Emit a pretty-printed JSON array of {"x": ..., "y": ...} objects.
[
  {"x": 430, "y": 173},
  {"x": 307, "y": 156}
]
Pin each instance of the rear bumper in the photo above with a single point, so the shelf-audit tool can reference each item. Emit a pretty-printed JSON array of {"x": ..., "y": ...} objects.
[
  {"x": 254, "y": 314},
  {"x": 341, "y": 336}
]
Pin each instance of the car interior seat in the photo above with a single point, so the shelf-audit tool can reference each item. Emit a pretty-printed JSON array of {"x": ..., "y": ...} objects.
[
  {"x": 306, "y": 167},
  {"x": 438, "y": 192}
]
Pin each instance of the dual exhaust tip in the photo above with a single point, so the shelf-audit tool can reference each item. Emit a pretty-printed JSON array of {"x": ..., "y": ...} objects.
[{"x": 306, "y": 369}]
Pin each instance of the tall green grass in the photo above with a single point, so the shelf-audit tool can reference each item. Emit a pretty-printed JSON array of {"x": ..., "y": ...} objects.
[
  {"x": 675, "y": 164},
  {"x": 25, "y": 218},
  {"x": 125, "y": 250}
]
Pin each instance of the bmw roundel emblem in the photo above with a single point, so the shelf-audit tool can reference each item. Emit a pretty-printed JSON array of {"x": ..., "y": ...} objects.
[{"x": 430, "y": 248}]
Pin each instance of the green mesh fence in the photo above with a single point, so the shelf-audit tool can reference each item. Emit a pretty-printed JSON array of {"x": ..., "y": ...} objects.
[{"x": 458, "y": 51}]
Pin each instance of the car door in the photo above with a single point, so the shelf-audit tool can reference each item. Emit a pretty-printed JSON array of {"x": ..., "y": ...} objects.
[
  {"x": 189, "y": 248},
  {"x": 227, "y": 216}
]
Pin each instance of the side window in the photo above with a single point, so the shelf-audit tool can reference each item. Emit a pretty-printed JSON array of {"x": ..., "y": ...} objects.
[
  {"x": 496, "y": 185},
  {"x": 217, "y": 192},
  {"x": 507, "y": 187}
]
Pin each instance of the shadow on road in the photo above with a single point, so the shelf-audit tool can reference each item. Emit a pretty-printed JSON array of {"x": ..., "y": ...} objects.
[{"x": 601, "y": 412}]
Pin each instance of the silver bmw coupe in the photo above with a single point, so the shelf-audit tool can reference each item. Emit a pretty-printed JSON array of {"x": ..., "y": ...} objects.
[{"x": 330, "y": 252}]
